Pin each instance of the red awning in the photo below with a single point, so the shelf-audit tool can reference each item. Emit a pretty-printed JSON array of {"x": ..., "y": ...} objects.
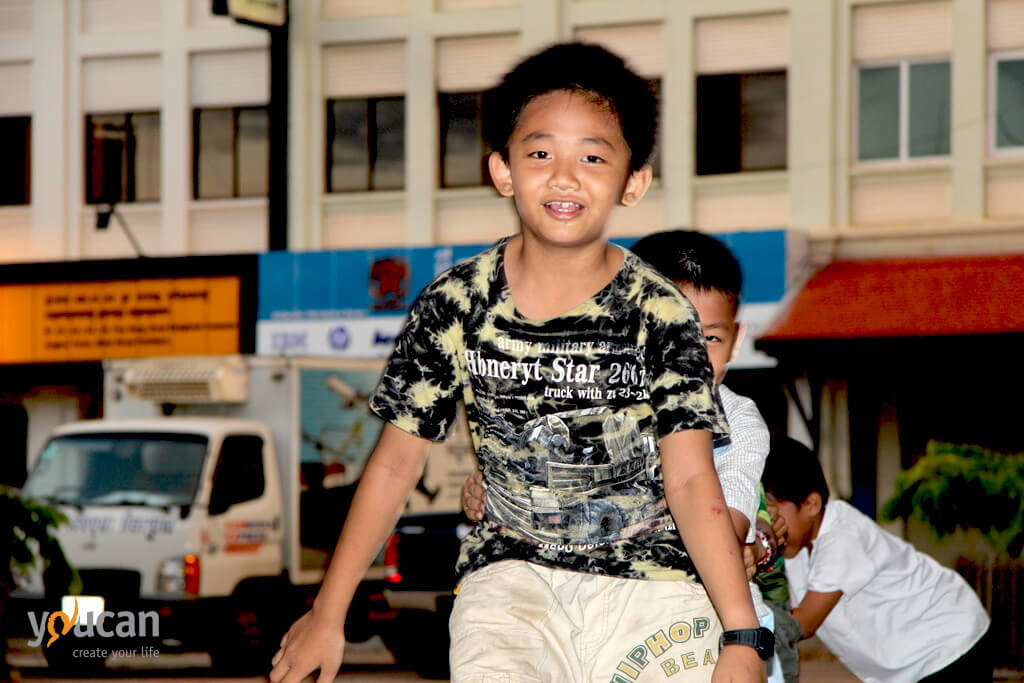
[{"x": 907, "y": 298}]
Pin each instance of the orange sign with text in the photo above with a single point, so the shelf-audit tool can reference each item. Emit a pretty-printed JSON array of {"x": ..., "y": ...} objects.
[{"x": 86, "y": 321}]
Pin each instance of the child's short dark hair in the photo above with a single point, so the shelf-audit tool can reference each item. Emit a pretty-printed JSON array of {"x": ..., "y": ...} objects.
[
  {"x": 590, "y": 70},
  {"x": 792, "y": 472},
  {"x": 688, "y": 257}
]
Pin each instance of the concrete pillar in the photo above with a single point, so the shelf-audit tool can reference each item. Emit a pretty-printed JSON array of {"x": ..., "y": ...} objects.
[
  {"x": 811, "y": 112},
  {"x": 51, "y": 148},
  {"x": 542, "y": 24},
  {"x": 969, "y": 112},
  {"x": 303, "y": 197},
  {"x": 678, "y": 128},
  {"x": 175, "y": 132},
  {"x": 421, "y": 129}
]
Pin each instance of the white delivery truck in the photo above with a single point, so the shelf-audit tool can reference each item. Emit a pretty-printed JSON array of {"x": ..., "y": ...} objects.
[{"x": 212, "y": 493}]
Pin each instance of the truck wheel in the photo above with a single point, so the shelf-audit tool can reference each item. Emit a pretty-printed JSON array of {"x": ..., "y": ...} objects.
[
  {"x": 357, "y": 622},
  {"x": 246, "y": 643},
  {"x": 419, "y": 641}
]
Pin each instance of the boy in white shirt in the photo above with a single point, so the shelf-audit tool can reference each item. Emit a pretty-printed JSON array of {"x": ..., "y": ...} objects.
[{"x": 888, "y": 612}]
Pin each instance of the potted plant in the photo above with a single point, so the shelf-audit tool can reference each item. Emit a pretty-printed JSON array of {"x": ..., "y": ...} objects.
[
  {"x": 968, "y": 488},
  {"x": 26, "y": 540}
]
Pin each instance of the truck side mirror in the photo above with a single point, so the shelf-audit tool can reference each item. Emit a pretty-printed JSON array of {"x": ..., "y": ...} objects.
[{"x": 238, "y": 476}]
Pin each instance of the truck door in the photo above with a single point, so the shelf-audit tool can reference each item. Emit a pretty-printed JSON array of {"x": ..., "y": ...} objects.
[{"x": 244, "y": 526}]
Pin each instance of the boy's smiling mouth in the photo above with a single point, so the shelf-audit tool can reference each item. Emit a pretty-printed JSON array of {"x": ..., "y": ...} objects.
[{"x": 564, "y": 209}]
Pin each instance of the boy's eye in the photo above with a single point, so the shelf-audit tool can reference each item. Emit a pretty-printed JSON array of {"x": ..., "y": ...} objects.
[
  {"x": 593, "y": 159},
  {"x": 709, "y": 338},
  {"x": 539, "y": 154}
]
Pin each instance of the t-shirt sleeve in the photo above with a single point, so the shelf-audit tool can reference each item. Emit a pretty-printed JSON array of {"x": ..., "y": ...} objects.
[
  {"x": 418, "y": 391},
  {"x": 680, "y": 380},
  {"x": 839, "y": 562}
]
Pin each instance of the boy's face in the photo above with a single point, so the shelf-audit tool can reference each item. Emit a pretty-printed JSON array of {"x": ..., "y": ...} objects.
[
  {"x": 568, "y": 167},
  {"x": 721, "y": 331},
  {"x": 802, "y": 519}
]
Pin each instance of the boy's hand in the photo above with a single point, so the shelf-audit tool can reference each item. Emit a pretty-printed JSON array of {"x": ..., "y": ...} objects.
[
  {"x": 473, "y": 496},
  {"x": 765, "y": 535},
  {"x": 739, "y": 664},
  {"x": 750, "y": 559},
  {"x": 310, "y": 644},
  {"x": 779, "y": 526}
]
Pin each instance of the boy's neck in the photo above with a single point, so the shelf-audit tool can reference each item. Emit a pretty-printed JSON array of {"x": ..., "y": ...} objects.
[{"x": 546, "y": 280}]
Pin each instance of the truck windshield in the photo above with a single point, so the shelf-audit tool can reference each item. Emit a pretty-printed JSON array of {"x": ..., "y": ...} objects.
[{"x": 119, "y": 469}]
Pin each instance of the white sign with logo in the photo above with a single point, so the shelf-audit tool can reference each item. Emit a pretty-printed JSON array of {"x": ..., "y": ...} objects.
[{"x": 370, "y": 337}]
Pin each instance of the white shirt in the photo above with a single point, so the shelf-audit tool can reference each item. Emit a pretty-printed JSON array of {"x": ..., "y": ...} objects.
[
  {"x": 902, "y": 615},
  {"x": 739, "y": 465},
  {"x": 741, "y": 462}
]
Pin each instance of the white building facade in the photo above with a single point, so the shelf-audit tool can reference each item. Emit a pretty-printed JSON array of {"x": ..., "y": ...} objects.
[{"x": 871, "y": 126}]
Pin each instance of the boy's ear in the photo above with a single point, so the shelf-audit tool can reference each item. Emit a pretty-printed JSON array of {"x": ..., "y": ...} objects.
[
  {"x": 812, "y": 504},
  {"x": 501, "y": 174},
  {"x": 636, "y": 185},
  {"x": 741, "y": 332}
]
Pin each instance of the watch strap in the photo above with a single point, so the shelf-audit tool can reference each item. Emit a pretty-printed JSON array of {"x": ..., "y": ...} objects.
[{"x": 761, "y": 639}]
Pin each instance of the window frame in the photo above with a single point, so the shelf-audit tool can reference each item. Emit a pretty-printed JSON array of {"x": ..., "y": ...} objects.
[
  {"x": 236, "y": 111},
  {"x": 130, "y": 144},
  {"x": 370, "y": 102},
  {"x": 994, "y": 59},
  {"x": 903, "y": 98},
  {"x": 28, "y": 162},
  {"x": 697, "y": 125}
]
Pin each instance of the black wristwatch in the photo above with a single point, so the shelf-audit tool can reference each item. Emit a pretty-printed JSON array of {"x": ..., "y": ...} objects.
[{"x": 761, "y": 639}]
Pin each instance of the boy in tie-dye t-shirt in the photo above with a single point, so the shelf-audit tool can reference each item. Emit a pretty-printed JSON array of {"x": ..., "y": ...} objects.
[{"x": 607, "y": 553}]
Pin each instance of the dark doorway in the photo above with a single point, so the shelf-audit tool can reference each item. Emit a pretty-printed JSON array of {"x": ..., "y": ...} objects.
[{"x": 13, "y": 456}]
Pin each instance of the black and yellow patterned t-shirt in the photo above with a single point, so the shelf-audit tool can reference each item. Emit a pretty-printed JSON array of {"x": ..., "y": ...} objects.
[{"x": 565, "y": 413}]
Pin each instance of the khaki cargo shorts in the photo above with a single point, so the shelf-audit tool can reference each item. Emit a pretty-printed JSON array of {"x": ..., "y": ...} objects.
[{"x": 515, "y": 621}]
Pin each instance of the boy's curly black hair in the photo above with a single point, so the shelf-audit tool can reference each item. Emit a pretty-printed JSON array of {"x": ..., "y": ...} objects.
[
  {"x": 688, "y": 257},
  {"x": 590, "y": 70}
]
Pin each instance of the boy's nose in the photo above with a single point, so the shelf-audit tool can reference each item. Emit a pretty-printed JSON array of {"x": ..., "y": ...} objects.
[{"x": 563, "y": 177}]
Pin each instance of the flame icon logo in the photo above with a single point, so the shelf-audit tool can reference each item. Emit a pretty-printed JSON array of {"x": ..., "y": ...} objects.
[{"x": 68, "y": 623}]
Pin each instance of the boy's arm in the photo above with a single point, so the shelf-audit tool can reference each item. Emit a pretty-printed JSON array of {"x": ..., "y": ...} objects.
[
  {"x": 695, "y": 499},
  {"x": 317, "y": 639},
  {"x": 740, "y": 524},
  {"x": 813, "y": 609},
  {"x": 740, "y": 465}
]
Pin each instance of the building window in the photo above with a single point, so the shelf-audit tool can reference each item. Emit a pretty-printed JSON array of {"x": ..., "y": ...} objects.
[
  {"x": 1008, "y": 126},
  {"x": 741, "y": 122},
  {"x": 903, "y": 111},
  {"x": 122, "y": 157},
  {"x": 230, "y": 152},
  {"x": 16, "y": 161},
  {"x": 463, "y": 152},
  {"x": 366, "y": 144}
]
